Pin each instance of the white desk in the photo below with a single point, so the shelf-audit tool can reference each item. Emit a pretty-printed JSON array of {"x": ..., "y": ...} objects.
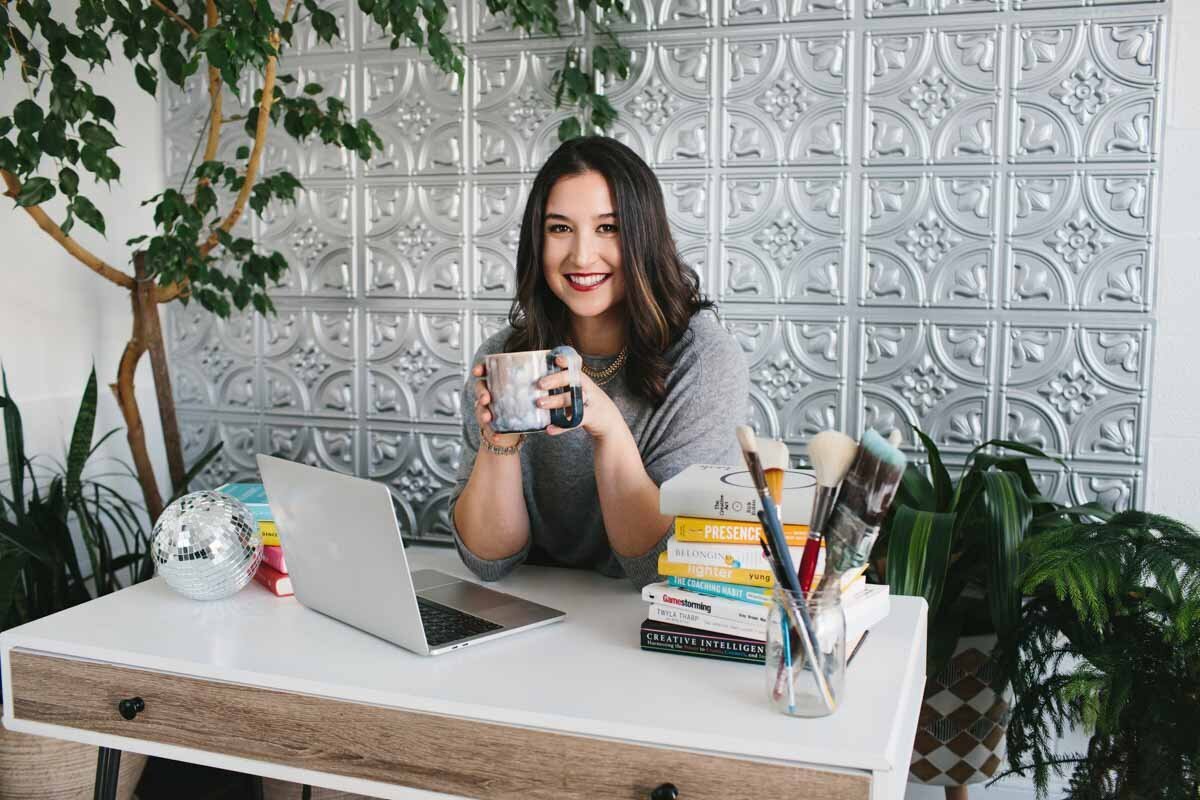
[{"x": 262, "y": 685}]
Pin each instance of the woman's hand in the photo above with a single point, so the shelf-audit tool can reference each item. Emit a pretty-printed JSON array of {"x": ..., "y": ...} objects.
[
  {"x": 601, "y": 417},
  {"x": 483, "y": 412}
]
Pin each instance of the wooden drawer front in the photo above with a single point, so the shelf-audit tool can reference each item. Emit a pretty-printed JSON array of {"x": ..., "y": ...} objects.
[{"x": 426, "y": 751}]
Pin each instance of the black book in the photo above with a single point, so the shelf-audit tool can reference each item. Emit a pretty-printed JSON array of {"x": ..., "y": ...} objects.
[{"x": 664, "y": 637}]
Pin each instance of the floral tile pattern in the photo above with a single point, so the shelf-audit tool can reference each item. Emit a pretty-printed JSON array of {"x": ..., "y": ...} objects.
[{"x": 933, "y": 214}]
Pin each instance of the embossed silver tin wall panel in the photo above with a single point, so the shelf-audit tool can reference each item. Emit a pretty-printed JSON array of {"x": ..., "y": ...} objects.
[{"x": 914, "y": 213}]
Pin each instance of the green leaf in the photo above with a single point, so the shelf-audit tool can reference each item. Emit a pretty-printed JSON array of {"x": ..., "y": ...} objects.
[
  {"x": 146, "y": 79},
  {"x": 943, "y": 489},
  {"x": 28, "y": 116},
  {"x": 35, "y": 191},
  {"x": 88, "y": 213},
  {"x": 313, "y": 88},
  {"x": 919, "y": 553},
  {"x": 15, "y": 444},
  {"x": 242, "y": 153},
  {"x": 68, "y": 181},
  {"x": 6, "y": 125},
  {"x": 569, "y": 128},
  {"x": 81, "y": 437},
  {"x": 916, "y": 490},
  {"x": 1007, "y": 512},
  {"x": 97, "y": 136},
  {"x": 11, "y": 565},
  {"x": 20, "y": 537},
  {"x": 102, "y": 108}
]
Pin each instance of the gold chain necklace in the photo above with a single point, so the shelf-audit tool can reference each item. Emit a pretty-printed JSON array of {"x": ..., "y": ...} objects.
[{"x": 603, "y": 376}]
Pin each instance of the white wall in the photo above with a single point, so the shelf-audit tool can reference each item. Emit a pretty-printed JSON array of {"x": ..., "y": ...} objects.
[
  {"x": 57, "y": 316},
  {"x": 1174, "y": 417}
]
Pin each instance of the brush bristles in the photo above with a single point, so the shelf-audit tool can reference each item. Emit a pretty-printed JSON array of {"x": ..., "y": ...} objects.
[
  {"x": 831, "y": 454},
  {"x": 774, "y": 454},
  {"x": 877, "y": 446},
  {"x": 747, "y": 439}
]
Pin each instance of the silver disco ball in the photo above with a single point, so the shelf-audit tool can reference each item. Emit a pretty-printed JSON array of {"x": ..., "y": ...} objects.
[{"x": 206, "y": 545}]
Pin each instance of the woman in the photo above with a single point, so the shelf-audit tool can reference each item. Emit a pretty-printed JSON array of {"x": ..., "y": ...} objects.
[{"x": 664, "y": 384}]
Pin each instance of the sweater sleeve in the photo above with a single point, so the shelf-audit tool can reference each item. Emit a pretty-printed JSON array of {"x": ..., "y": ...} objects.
[
  {"x": 708, "y": 394},
  {"x": 486, "y": 569}
]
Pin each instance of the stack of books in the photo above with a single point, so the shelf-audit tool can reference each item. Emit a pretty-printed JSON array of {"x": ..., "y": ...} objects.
[
  {"x": 272, "y": 571},
  {"x": 714, "y": 601}
]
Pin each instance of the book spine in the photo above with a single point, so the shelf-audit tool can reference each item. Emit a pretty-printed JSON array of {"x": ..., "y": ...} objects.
[
  {"x": 701, "y": 644},
  {"x": 279, "y": 584},
  {"x": 707, "y": 622},
  {"x": 269, "y": 539},
  {"x": 730, "y": 591},
  {"x": 745, "y": 577},
  {"x": 737, "y": 556},
  {"x": 267, "y": 526},
  {"x": 715, "y": 531},
  {"x": 735, "y": 610},
  {"x": 273, "y": 555}
]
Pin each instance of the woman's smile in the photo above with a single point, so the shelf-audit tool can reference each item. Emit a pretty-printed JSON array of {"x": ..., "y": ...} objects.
[{"x": 587, "y": 281}]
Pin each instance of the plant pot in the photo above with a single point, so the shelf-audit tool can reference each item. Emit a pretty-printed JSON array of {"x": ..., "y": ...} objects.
[
  {"x": 41, "y": 768},
  {"x": 960, "y": 732}
]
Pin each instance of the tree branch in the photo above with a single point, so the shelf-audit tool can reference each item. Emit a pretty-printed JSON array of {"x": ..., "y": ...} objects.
[
  {"x": 214, "y": 91},
  {"x": 175, "y": 17},
  {"x": 166, "y": 294},
  {"x": 85, "y": 256},
  {"x": 260, "y": 140}
]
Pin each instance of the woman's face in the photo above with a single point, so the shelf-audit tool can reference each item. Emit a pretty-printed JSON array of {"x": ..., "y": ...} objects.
[{"x": 581, "y": 245}]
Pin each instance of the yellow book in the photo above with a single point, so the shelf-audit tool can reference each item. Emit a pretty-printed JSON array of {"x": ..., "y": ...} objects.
[
  {"x": 743, "y": 577},
  {"x": 712, "y": 572},
  {"x": 269, "y": 533},
  {"x": 724, "y": 531}
]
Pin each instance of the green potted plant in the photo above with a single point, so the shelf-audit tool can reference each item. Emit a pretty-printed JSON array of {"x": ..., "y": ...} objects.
[
  {"x": 41, "y": 573},
  {"x": 956, "y": 542},
  {"x": 1110, "y": 644}
]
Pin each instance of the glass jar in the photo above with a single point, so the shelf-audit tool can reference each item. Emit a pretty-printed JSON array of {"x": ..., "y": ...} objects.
[{"x": 793, "y": 686}]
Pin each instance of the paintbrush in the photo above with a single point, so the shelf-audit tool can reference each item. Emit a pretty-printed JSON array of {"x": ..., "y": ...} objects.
[
  {"x": 831, "y": 453},
  {"x": 863, "y": 501},
  {"x": 775, "y": 459},
  {"x": 781, "y": 565}
]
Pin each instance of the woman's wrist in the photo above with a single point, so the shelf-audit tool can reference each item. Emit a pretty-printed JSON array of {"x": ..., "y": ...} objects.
[{"x": 501, "y": 444}]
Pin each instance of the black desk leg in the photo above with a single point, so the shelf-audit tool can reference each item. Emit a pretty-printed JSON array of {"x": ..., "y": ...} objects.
[
  {"x": 108, "y": 765},
  {"x": 256, "y": 787}
]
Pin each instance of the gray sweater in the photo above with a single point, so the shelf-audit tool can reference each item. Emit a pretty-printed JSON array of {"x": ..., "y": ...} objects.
[{"x": 708, "y": 393}]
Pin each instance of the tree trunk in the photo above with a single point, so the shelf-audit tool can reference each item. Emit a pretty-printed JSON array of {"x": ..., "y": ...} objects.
[
  {"x": 141, "y": 298},
  {"x": 162, "y": 377}
]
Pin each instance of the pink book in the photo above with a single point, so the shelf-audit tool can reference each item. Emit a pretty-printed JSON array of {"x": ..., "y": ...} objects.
[{"x": 273, "y": 555}]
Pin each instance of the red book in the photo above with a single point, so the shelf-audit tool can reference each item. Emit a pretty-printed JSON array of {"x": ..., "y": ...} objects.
[
  {"x": 273, "y": 579},
  {"x": 274, "y": 556}
]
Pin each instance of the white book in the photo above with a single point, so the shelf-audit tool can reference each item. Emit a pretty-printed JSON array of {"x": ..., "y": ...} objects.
[
  {"x": 704, "y": 622},
  {"x": 736, "y": 610},
  {"x": 713, "y": 491},
  {"x": 738, "y": 556},
  {"x": 865, "y": 609}
]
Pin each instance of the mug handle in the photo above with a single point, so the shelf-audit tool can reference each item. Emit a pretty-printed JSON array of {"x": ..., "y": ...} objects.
[{"x": 558, "y": 416}]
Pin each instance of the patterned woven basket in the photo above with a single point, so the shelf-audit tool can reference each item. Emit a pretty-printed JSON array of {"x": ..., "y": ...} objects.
[{"x": 960, "y": 733}]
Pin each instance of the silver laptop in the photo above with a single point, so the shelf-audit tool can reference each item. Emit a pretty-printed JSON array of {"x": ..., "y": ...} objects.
[{"x": 346, "y": 560}]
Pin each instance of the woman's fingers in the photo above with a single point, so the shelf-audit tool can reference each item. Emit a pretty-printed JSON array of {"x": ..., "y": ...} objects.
[
  {"x": 477, "y": 370},
  {"x": 555, "y": 380}
]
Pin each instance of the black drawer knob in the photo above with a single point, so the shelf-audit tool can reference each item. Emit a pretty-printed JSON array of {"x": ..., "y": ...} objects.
[
  {"x": 130, "y": 707},
  {"x": 666, "y": 791}
]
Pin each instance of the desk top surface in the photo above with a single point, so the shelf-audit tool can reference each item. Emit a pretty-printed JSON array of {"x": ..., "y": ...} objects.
[{"x": 585, "y": 675}]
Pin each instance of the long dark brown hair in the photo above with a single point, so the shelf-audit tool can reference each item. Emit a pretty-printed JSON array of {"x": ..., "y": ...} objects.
[{"x": 662, "y": 293}]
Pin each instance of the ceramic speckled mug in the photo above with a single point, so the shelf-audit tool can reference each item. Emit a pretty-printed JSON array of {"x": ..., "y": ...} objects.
[{"x": 512, "y": 382}]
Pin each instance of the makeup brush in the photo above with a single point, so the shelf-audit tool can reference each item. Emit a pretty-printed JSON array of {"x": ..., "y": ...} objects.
[
  {"x": 781, "y": 564},
  {"x": 831, "y": 453},
  {"x": 895, "y": 437},
  {"x": 775, "y": 458},
  {"x": 862, "y": 503}
]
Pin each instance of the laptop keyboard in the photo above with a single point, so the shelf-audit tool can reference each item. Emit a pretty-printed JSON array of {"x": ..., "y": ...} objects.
[{"x": 443, "y": 624}]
